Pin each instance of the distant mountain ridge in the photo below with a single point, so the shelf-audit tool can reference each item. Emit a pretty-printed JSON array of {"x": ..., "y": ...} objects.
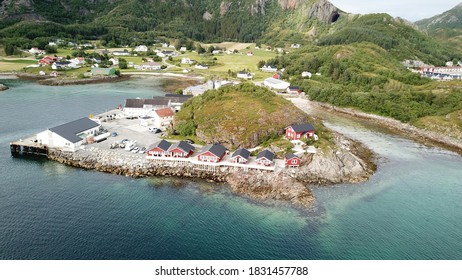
[
  {"x": 27, "y": 23},
  {"x": 243, "y": 20},
  {"x": 446, "y": 26},
  {"x": 449, "y": 19}
]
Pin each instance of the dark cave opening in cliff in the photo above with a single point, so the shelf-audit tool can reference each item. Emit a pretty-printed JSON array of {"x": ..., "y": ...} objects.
[{"x": 334, "y": 17}]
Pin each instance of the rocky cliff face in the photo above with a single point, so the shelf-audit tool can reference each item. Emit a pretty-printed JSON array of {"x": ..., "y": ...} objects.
[
  {"x": 323, "y": 11},
  {"x": 349, "y": 162}
]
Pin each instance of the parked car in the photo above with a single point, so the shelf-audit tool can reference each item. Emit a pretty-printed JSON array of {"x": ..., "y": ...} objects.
[
  {"x": 190, "y": 141},
  {"x": 135, "y": 150},
  {"x": 142, "y": 150},
  {"x": 114, "y": 134}
]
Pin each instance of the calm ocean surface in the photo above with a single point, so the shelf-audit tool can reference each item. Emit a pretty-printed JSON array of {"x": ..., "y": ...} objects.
[{"x": 410, "y": 209}]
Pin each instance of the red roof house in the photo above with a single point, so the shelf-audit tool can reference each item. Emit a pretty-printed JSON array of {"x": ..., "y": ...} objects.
[
  {"x": 277, "y": 76},
  {"x": 212, "y": 153},
  {"x": 240, "y": 156},
  {"x": 294, "y": 90},
  {"x": 160, "y": 148},
  {"x": 181, "y": 149},
  {"x": 265, "y": 157},
  {"x": 298, "y": 131},
  {"x": 292, "y": 160}
]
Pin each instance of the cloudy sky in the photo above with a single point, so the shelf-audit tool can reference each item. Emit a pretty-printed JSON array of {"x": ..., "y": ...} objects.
[{"x": 409, "y": 9}]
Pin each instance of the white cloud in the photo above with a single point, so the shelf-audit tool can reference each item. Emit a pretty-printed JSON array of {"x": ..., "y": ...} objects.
[{"x": 412, "y": 10}]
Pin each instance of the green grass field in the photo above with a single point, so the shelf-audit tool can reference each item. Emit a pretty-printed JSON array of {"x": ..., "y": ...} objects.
[
  {"x": 225, "y": 62},
  {"x": 220, "y": 64}
]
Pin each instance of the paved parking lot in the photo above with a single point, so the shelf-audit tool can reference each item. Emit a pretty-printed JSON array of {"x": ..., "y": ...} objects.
[{"x": 126, "y": 129}]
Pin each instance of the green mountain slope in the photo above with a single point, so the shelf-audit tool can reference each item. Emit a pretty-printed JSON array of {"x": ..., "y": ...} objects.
[
  {"x": 396, "y": 36},
  {"x": 203, "y": 20},
  {"x": 447, "y": 26},
  {"x": 451, "y": 19}
]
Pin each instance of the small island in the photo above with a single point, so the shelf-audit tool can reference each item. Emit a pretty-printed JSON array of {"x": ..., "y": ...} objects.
[{"x": 255, "y": 140}]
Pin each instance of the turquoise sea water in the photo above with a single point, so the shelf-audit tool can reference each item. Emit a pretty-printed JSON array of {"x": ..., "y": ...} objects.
[{"x": 410, "y": 209}]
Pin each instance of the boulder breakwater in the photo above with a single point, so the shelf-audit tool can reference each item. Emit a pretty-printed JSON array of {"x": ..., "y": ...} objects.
[{"x": 290, "y": 184}]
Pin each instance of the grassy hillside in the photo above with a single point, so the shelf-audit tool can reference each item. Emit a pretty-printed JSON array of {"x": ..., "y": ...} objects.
[
  {"x": 447, "y": 26},
  {"x": 396, "y": 36},
  {"x": 239, "y": 116},
  {"x": 369, "y": 78}
]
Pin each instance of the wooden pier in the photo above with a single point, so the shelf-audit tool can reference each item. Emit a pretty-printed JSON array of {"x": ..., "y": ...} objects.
[{"x": 28, "y": 146}]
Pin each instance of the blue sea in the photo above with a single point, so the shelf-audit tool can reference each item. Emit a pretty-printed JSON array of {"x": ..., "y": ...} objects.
[{"x": 410, "y": 209}]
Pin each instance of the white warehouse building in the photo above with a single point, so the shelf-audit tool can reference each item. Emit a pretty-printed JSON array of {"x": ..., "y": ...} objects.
[
  {"x": 276, "y": 84},
  {"x": 69, "y": 136}
]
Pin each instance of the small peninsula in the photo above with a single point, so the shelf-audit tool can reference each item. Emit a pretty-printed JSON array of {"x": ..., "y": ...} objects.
[{"x": 242, "y": 136}]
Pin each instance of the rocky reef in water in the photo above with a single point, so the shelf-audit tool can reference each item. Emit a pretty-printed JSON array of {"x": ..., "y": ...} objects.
[{"x": 3, "y": 87}]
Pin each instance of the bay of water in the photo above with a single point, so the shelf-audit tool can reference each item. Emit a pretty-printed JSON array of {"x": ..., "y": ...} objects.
[{"x": 410, "y": 209}]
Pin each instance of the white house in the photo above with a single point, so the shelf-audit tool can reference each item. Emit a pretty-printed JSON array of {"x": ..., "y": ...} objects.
[
  {"x": 201, "y": 66},
  {"x": 295, "y": 46},
  {"x": 183, "y": 49},
  {"x": 269, "y": 68},
  {"x": 121, "y": 53},
  {"x": 163, "y": 117},
  {"x": 276, "y": 84},
  {"x": 36, "y": 51},
  {"x": 244, "y": 75},
  {"x": 216, "y": 51},
  {"x": 141, "y": 48},
  {"x": 69, "y": 136},
  {"x": 166, "y": 54},
  {"x": 149, "y": 66},
  {"x": 145, "y": 107},
  {"x": 186, "y": 60},
  {"x": 306, "y": 74},
  {"x": 449, "y": 63},
  {"x": 115, "y": 61}
]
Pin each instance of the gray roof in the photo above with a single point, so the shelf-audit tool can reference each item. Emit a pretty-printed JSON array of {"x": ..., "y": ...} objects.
[
  {"x": 183, "y": 145},
  {"x": 291, "y": 156},
  {"x": 139, "y": 103},
  {"x": 266, "y": 154},
  {"x": 163, "y": 144},
  {"x": 178, "y": 98},
  {"x": 294, "y": 87},
  {"x": 70, "y": 130},
  {"x": 216, "y": 149},
  {"x": 302, "y": 127},
  {"x": 244, "y": 153}
]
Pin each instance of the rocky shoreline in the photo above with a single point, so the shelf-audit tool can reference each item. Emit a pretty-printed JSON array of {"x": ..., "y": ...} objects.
[
  {"x": 404, "y": 129},
  {"x": 46, "y": 80},
  {"x": 289, "y": 185}
]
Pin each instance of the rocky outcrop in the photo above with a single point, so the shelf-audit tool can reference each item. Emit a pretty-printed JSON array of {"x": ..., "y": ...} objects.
[
  {"x": 270, "y": 186},
  {"x": 258, "y": 7},
  {"x": 207, "y": 16},
  {"x": 349, "y": 162},
  {"x": 3, "y": 87},
  {"x": 263, "y": 186},
  {"x": 323, "y": 11},
  {"x": 224, "y": 7},
  {"x": 289, "y": 4}
]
